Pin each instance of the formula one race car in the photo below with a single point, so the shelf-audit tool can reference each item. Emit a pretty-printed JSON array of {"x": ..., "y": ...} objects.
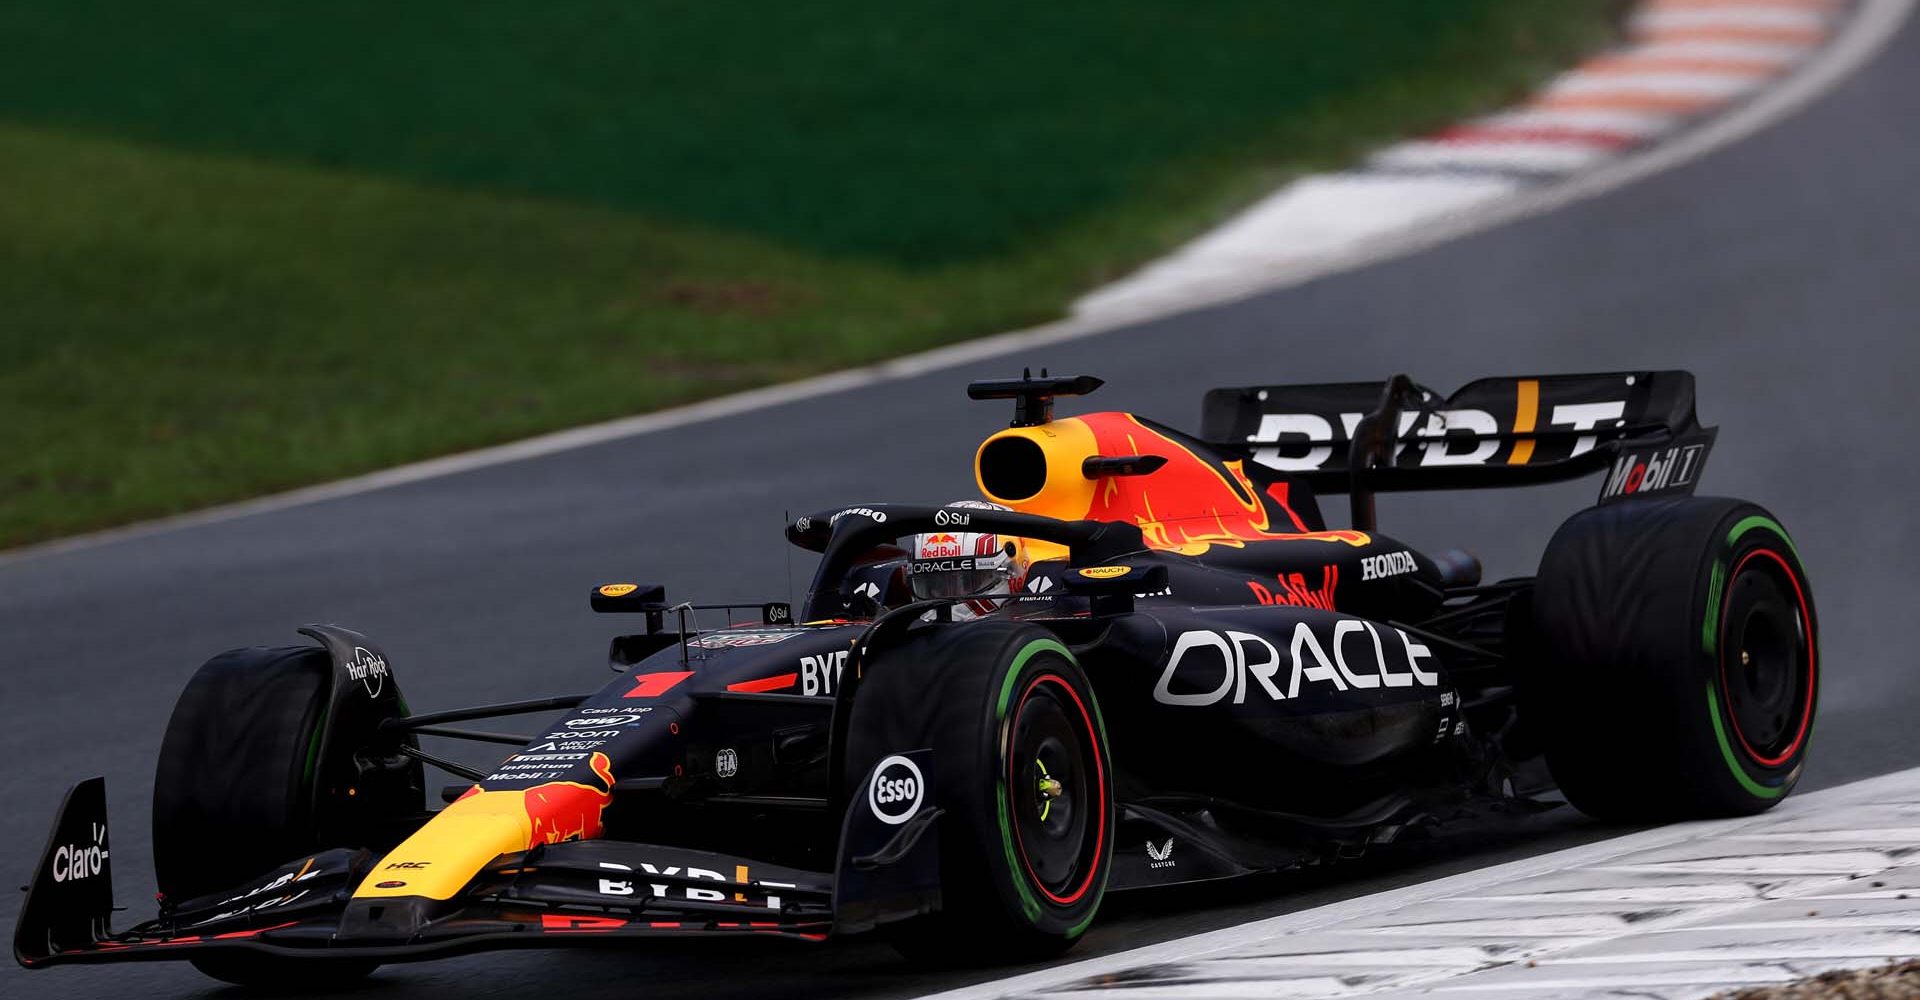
[{"x": 1195, "y": 679}]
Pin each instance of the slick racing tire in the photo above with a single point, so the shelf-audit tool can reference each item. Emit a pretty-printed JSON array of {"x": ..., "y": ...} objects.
[
  {"x": 1020, "y": 765},
  {"x": 1677, "y": 666},
  {"x": 242, "y": 786}
]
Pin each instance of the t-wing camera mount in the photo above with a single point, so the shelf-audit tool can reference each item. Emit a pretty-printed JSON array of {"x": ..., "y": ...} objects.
[{"x": 1032, "y": 397}]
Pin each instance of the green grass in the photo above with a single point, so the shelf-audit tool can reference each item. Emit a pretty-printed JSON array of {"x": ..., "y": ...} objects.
[{"x": 249, "y": 246}]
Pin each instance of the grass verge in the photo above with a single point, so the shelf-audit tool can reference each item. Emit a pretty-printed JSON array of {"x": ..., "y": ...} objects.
[{"x": 245, "y": 249}]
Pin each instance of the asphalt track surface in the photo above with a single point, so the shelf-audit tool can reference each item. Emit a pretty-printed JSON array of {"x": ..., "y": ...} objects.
[{"x": 1782, "y": 270}]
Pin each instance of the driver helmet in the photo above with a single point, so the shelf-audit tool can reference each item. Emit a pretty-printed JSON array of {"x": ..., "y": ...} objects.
[{"x": 984, "y": 568}]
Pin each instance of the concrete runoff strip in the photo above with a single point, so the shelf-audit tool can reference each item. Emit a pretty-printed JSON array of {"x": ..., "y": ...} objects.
[{"x": 1824, "y": 881}]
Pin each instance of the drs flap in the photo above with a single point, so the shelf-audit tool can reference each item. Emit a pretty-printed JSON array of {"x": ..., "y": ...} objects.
[{"x": 1491, "y": 432}]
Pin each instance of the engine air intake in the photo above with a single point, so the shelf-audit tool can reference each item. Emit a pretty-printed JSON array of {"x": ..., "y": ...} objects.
[{"x": 1012, "y": 468}]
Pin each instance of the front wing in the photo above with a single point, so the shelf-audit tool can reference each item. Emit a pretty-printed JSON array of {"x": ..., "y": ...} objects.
[{"x": 554, "y": 896}]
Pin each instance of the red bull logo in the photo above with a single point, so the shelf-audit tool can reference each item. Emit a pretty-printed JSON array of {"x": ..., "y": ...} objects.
[
  {"x": 1293, "y": 590},
  {"x": 570, "y": 810},
  {"x": 941, "y": 546},
  {"x": 559, "y": 811}
]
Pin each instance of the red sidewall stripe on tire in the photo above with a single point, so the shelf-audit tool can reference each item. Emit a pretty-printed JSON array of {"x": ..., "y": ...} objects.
[
  {"x": 1100, "y": 787},
  {"x": 1806, "y": 620}
]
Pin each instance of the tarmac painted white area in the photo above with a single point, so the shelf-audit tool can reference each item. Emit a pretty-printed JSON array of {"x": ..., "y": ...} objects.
[
  {"x": 1827, "y": 880},
  {"x": 1630, "y": 126},
  {"x": 1756, "y": 13}
]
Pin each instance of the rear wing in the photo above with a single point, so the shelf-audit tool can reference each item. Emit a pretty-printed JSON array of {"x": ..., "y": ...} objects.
[{"x": 1362, "y": 437}]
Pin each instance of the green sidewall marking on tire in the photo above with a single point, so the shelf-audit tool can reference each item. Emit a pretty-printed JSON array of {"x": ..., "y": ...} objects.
[
  {"x": 1747, "y": 524},
  {"x": 1740, "y": 528},
  {"x": 1709, "y": 633},
  {"x": 1027, "y": 652},
  {"x": 1028, "y": 904},
  {"x": 313, "y": 746},
  {"x": 1753, "y": 787}
]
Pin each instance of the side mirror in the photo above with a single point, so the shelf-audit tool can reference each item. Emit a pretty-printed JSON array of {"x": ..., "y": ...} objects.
[
  {"x": 626, "y": 598},
  {"x": 1112, "y": 588}
]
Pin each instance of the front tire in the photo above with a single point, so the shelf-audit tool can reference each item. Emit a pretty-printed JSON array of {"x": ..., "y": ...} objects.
[
  {"x": 233, "y": 787},
  {"x": 284, "y": 975},
  {"x": 246, "y": 782},
  {"x": 1679, "y": 665},
  {"x": 1024, "y": 774}
]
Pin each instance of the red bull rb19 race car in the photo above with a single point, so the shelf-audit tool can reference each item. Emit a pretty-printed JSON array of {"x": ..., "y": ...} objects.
[{"x": 1194, "y": 678}]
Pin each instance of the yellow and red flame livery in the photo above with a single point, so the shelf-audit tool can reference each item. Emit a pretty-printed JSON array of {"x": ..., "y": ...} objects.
[
  {"x": 442, "y": 856},
  {"x": 1192, "y": 503}
]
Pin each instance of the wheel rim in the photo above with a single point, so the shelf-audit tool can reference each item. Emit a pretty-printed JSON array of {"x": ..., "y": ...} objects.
[
  {"x": 1055, "y": 789},
  {"x": 1767, "y": 658}
]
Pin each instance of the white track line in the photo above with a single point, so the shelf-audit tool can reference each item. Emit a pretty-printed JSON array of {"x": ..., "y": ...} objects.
[
  {"x": 1638, "y": 125},
  {"x": 1721, "y": 85},
  {"x": 1584, "y": 921},
  {"x": 1730, "y": 17},
  {"x": 1543, "y": 157},
  {"x": 1769, "y": 52},
  {"x": 1323, "y": 212},
  {"x": 1863, "y": 35}
]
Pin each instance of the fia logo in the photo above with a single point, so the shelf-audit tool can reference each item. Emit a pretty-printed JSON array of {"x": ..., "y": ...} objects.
[{"x": 1160, "y": 857}]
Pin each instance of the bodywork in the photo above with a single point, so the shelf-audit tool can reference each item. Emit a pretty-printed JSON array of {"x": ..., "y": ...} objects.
[{"x": 1276, "y": 692}]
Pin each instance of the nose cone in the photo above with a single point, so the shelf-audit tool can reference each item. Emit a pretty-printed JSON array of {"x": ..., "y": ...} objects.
[{"x": 441, "y": 857}]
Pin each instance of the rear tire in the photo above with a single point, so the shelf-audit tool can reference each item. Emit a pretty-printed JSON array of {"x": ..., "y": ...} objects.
[
  {"x": 1678, "y": 665},
  {"x": 1022, "y": 769}
]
